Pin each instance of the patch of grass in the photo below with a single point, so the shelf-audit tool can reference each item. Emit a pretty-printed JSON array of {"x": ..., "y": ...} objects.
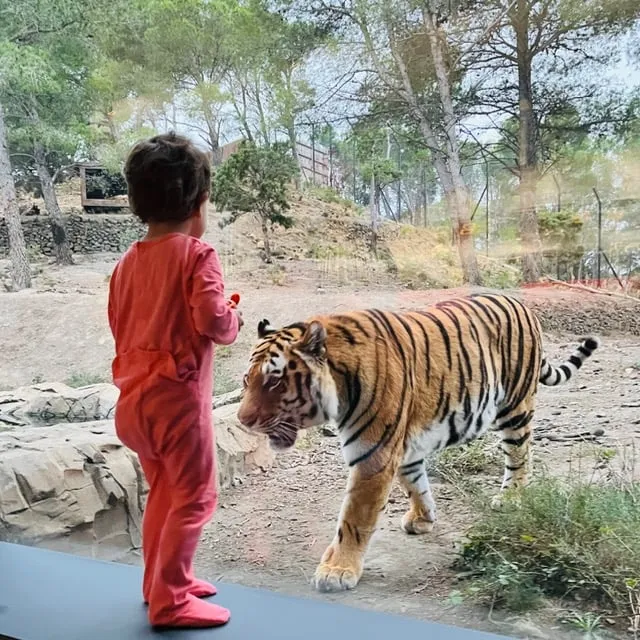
[
  {"x": 422, "y": 259},
  {"x": 588, "y": 623},
  {"x": 78, "y": 379},
  {"x": 34, "y": 253},
  {"x": 479, "y": 456},
  {"x": 308, "y": 439},
  {"x": 224, "y": 352},
  {"x": 277, "y": 275},
  {"x": 325, "y": 252},
  {"x": 330, "y": 196},
  {"x": 223, "y": 380},
  {"x": 562, "y": 538},
  {"x": 498, "y": 275}
]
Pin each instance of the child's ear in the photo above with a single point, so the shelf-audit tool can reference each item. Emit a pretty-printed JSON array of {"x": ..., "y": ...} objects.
[{"x": 201, "y": 211}]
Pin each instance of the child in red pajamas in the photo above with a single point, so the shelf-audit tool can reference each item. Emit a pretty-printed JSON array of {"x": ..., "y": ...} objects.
[{"x": 166, "y": 310}]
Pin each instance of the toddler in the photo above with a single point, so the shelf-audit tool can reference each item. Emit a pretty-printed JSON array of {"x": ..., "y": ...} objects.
[{"x": 166, "y": 310}]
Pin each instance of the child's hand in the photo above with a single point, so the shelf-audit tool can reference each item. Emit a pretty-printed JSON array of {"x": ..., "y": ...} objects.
[{"x": 234, "y": 300}]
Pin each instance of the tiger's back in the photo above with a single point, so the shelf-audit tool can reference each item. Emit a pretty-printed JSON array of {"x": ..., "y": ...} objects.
[
  {"x": 401, "y": 386},
  {"x": 433, "y": 378}
]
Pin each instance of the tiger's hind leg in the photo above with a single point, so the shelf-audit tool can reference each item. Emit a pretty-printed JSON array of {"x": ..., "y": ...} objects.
[
  {"x": 342, "y": 563},
  {"x": 421, "y": 516},
  {"x": 516, "y": 432}
]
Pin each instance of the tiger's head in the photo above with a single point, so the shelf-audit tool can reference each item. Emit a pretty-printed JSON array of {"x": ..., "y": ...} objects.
[{"x": 288, "y": 385}]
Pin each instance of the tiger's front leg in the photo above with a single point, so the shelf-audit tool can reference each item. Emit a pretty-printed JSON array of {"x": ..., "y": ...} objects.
[{"x": 342, "y": 563}]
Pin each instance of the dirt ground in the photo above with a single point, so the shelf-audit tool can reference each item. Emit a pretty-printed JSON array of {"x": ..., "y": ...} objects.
[{"x": 271, "y": 530}]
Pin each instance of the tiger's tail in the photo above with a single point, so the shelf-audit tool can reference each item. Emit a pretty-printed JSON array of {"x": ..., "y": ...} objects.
[{"x": 550, "y": 375}]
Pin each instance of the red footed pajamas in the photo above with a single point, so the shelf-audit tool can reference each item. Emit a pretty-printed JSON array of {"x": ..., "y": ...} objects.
[{"x": 166, "y": 310}]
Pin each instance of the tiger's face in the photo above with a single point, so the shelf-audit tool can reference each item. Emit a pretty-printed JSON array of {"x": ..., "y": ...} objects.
[{"x": 288, "y": 385}]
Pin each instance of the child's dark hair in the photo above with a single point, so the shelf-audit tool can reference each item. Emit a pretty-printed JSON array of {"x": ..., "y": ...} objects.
[{"x": 167, "y": 178}]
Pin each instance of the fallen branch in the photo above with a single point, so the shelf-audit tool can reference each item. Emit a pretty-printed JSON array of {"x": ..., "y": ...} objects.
[{"x": 582, "y": 287}]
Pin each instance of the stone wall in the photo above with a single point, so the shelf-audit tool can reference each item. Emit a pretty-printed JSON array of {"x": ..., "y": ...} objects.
[{"x": 88, "y": 233}]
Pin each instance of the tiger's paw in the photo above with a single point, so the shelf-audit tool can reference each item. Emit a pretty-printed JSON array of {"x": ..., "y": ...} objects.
[
  {"x": 414, "y": 524},
  {"x": 510, "y": 496},
  {"x": 330, "y": 579}
]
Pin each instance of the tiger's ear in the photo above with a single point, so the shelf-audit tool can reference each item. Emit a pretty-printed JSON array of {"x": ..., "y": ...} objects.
[
  {"x": 313, "y": 341},
  {"x": 264, "y": 328}
]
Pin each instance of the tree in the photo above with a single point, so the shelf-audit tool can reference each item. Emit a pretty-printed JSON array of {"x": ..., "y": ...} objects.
[
  {"x": 252, "y": 48},
  {"x": 188, "y": 42},
  {"x": 45, "y": 55},
  {"x": 20, "y": 271},
  {"x": 416, "y": 69},
  {"x": 530, "y": 50},
  {"x": 254, "y": 180},
  {"x": 269, "y": 90},
  {"x": 291, "y": 94}
]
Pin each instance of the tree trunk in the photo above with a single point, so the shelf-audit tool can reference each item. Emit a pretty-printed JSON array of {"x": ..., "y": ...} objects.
[
  {"x": 293, "y": 145},
  {"x": 463, "y": 236},
  {"x": 373, "y": 208},
  {"x": 446, "y": 156},
  {"x": 20, "y": 271},
  {"x": 527, "y": 156},
  {"x": 60, "y": 240},
  {"x": 111, "y": 126},
  {"x": 211, "y": 120},
  {"x": 241, "y": 109},
  {"x": 265, "y": 236},
  {"x": 290, "y": 123},
  {"x": 454, "y": 187},
  {"x": 264, "y": 129}
]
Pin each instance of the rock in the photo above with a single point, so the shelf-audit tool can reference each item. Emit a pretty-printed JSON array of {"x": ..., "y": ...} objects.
[
  {"x": 56, "y": 401},
  {"x": 63, "y": 478},
  {"x": 528, "y": 629},
  {"x": 238, "y": 451},
  {"x": 224, "y": 399},
  {"x": 79, "y": 479}
]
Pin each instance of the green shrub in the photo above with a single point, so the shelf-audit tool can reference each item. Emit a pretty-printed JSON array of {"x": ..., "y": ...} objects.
[
  {"x": 79, "y": 379},
  {"x": 563, "y": 539},
  {"x": 330, "y": 196},
  {"x": 254, "y": 180}
]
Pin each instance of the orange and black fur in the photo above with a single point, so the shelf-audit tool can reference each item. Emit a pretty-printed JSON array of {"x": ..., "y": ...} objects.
[{"x": 400, "y": 387}]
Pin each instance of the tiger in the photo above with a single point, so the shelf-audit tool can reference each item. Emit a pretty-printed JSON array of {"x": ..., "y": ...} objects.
[{"x": 400, "y": 387}]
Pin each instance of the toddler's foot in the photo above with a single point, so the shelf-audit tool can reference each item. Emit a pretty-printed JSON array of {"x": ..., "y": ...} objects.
[
  {"x": 199, "y": 589},
  {"x": 202, "y": 589},
  {"x": 194, "y": 614}
]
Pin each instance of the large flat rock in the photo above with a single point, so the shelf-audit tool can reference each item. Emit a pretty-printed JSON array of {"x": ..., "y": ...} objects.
[
  {"x": 70, "y": 478},
  {"x": 78, "y": 478}
]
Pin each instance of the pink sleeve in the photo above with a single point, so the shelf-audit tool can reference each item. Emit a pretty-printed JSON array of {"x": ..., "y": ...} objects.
[{"x": 212, "y": 316}]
